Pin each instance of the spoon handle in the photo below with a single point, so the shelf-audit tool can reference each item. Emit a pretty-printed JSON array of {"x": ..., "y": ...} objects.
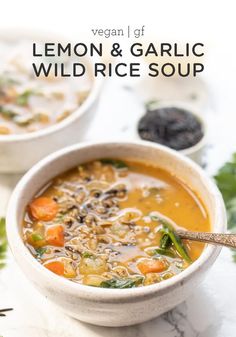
[{"x": 228, "y": 240}]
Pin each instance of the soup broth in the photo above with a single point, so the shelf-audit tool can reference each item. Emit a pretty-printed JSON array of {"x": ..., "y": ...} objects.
[{"x": 110, "y": 223}]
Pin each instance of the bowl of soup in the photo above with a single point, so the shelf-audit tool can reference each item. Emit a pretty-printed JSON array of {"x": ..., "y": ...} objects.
[
  {"x": 92, "y": 226},
  {"x": 40, "y": 110}
]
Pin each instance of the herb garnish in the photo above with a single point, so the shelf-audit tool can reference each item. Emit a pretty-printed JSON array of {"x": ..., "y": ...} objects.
[
  {"x": 23, "y": 98},
  {"x": 170, "y": 237},
  {"x": 165, "y": 241},
  {"x": 117, "y": 283},
  {"x": 114, "y": 162},
  {"x": 7, "y": 113},
  {"x": 40, "y": 251},
  {"x": 3, "y": 243},
  {"x": 166, "y": 252},
  {"x": 87, "y": 255},
  {"x": 226, "y": 182},
  {"x": 180, "y": 248}
]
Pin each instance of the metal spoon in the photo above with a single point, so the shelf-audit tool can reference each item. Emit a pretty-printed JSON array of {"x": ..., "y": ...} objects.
[{"x": 228, "y": 240}]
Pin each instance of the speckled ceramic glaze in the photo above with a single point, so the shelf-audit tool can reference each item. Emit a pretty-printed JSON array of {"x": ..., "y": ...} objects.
[
  {"x": 114, "y": 307},
  {"x": 20, "y": 152}
]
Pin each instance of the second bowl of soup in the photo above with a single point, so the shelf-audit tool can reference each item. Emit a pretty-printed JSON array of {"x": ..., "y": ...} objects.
[{"x": 44, "y": 112}]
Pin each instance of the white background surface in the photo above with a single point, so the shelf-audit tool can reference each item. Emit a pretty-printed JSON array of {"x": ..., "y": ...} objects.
[{"x": 211, "y": 311}]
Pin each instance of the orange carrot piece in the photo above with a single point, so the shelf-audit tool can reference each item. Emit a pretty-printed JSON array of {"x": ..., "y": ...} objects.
[
  {"x": 56, "y": 267},
  {"x": 55, "y": 235},
  {"x": 151, "y": 266},
  {"x": 43, "y": 208}
]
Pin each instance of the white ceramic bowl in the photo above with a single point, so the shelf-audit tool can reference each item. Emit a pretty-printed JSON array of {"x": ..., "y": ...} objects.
[
  {"x": 114, "y": 307},
  {"x": 19, "y": 152}
]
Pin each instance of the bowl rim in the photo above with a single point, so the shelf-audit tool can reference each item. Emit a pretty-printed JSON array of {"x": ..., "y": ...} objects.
[
  {"x": 102, "y": 294},
  {"x": 14, "y": 34}
]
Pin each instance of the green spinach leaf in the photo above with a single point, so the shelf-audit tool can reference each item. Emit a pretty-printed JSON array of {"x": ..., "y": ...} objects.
[
  {"x": 7, "y": 113},
  {"x": 121, "y": 283},
  {"x": 226, "y": 182},
  {"x": 165, "y": 242},
  {"x": 3, "y": 243},
  {"x": 40, "y": 251},
  {"x": 23, "y": 98},
  {"x": 166, "y": 252},
  {"x": 114, "y": 162}
]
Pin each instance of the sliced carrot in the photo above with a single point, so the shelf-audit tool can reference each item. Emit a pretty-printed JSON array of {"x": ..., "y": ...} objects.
[
  {"x": 151, "y": 266},
  {"x": 43, "y": 208},
  {"x": 56, "y": 267},
  {"x": 55, "y": 235}
]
